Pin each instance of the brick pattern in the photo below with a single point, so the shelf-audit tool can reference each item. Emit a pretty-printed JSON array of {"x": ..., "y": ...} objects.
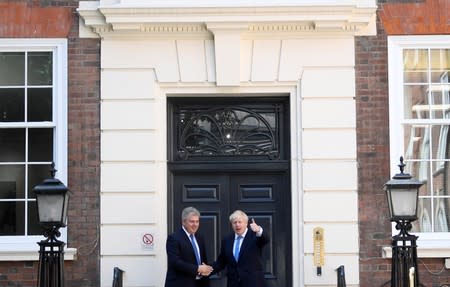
[
  {"x": 429, "y": 17},
  {"x": 83, "y": 136},
  {"x": 19, "y": 20},
  {"x": 372, "y": 113},
  {"x": 18, "y": 274},
  {"x": 373, "y": 156}
]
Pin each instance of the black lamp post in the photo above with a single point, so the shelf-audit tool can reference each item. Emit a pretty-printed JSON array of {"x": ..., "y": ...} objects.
[
  {"x": 402, "y": 193},
  {"x": 52, "y": 199}
]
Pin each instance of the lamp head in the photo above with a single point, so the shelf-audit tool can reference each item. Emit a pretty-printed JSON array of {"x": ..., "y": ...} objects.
[
  {"x": 402, "y": 193},
  {"x": 52, "y": 199}
]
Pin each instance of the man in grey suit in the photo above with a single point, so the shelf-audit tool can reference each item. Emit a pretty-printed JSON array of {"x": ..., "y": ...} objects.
[{"x": 186, "y": 254}]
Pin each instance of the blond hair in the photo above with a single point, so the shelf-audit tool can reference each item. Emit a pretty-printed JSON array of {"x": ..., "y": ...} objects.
[{"x": 238, "y": 214}]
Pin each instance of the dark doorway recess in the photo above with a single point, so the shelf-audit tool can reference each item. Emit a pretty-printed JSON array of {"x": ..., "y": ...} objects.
[{"x": 227, "y": 154}]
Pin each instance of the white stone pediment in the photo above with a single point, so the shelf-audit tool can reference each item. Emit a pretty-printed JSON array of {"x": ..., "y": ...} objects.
[{"x": 257, "y": 16}]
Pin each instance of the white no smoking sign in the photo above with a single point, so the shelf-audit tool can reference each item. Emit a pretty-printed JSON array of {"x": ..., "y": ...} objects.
[{"x": 147, "y": 241}]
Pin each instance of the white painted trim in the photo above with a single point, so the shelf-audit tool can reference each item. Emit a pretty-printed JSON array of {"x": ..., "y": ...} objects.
[
  {"x": 422, "y": 252},
  {"x": 33, "y": 255},
  {"x": 240, "y": 3},
  {"x": 353, "y": 17},
  {"x": 296, "y": 188}
]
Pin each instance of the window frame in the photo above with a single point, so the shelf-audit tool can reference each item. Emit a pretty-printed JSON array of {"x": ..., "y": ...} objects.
[
  {"x": 59, "y": 47},
  {"x": 396, "y": 45}
]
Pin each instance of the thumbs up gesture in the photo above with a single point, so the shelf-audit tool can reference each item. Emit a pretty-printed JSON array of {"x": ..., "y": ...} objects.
[{"x": 255, "y": 227}]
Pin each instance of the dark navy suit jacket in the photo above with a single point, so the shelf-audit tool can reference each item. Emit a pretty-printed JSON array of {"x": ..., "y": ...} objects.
[
  {"x": 248, "y": 271},
  {"x": 182, "y": 265}
]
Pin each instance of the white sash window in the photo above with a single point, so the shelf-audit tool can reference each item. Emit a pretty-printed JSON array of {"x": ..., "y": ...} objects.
[{"x": 419, "y": 94}]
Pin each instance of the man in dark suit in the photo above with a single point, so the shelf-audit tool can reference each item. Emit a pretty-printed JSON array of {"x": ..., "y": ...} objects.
[
  {"x": 241, "y": 253},
  {"x": 186, "y": 254}
]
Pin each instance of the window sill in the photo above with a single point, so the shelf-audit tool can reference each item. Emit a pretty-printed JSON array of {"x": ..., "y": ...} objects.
[
  {"x": 422, "y": 252},
  {"x": 32, "y": 255}
]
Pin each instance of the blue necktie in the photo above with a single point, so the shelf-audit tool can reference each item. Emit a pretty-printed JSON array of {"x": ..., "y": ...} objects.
[
  {"x": 197, "y": 255},
  {"x": 237, "y": 248}
]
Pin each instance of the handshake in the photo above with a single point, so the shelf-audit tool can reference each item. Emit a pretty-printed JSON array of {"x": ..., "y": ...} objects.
[{"x": 204, "y": 270}]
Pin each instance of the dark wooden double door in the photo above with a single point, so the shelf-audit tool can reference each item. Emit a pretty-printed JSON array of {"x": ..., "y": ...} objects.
[{"x": 264, "y": 196}]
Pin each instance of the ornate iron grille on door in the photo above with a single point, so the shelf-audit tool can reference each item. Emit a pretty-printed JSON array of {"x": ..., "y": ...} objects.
[{"x": 220, "y": 131}]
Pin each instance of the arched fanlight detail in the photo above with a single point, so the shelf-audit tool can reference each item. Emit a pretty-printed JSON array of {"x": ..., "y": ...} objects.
[{"x": 229, "y": 131}]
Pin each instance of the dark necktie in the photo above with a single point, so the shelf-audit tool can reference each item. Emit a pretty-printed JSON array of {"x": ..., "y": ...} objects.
[
  {"x": 237, "y": 248},
  {"x": 194, "y": 246}
]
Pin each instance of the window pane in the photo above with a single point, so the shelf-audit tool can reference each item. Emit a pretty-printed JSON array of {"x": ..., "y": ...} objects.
[
  {"x": 36, "y": 175},
  {"x": 34, "y": 228},
  {"x": 12, "y": 68},
  {"x": 40, "y": 68},
  {"x": 442, "y": 219},
  {"x": 424, "y": 214},
  {"x": 7, "y": 189},
  {"x": 440, "y": 178},
  {"x": 12, "y": 145},
  {"x": 39, "y": 105},
  {"x": 440, "y": 64},
  {"x": 417, "y": 142},
  {"x": 12, "y": 105},
  {"x": 40, "y": 147},
  {"x": 415, "y": 65},
  {"x": 420, "y": 170},
  {"x": 9, "y": 218},
  {"x": 440, "y": 105},
  {"x": 416, "y": 102},
  {"x": 440, "y": 134},
  {"x": 12, "y": 180}
]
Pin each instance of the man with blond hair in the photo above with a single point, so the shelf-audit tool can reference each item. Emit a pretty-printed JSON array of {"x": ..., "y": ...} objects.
[{"x": 241, "y": 253}]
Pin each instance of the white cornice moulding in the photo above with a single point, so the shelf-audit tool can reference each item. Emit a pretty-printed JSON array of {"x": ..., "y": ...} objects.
[
  {"x": 25, "y": 254},
  {"x": 240, "y": 3},
  {"x": 252, "y": 17},
  {"x": 422, "y": 252}
]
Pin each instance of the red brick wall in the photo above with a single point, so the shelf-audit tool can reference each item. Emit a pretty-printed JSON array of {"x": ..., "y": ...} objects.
[
  {"x": 19, "y": 19},
  {"x": 373, "y": 156},
  {"x": 46, "y": 18},
  {"x": 372, "y": 108},
  {"x": 428, "y": 17}
]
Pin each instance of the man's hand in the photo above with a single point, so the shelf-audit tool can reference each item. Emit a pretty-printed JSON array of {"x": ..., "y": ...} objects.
[
  {"x": 204, "y": 269},
  {"x": 255, "y": 227}
]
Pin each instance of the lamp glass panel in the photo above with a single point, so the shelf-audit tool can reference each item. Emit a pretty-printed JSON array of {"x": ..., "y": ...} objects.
[
  {"x": 404, "y": 201},
  {"x": 50, "y": 207},
  {"x": 389, "y": 200}
]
